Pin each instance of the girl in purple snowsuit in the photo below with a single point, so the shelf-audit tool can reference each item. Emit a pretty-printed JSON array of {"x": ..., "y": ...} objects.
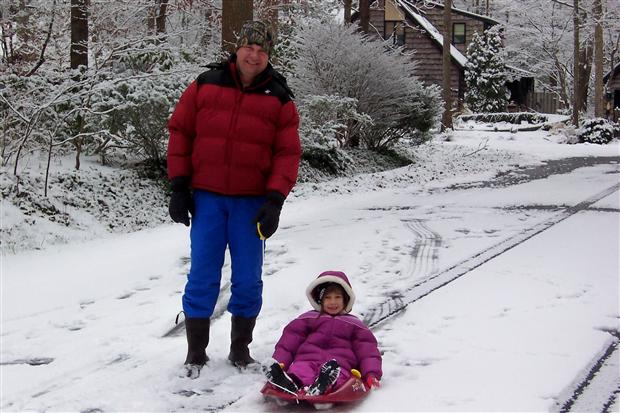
[{"x": 319, "y": 348}]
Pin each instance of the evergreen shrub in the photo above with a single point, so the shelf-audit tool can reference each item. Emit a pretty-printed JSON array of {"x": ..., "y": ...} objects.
[{"x": 599, "y": 131}]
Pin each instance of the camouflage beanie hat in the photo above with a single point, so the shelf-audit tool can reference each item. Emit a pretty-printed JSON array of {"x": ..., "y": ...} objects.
[{"x": 256, "y": 32}]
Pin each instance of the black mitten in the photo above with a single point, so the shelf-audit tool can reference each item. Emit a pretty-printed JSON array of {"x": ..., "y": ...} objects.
[
  {"x": 181, "y": 202},
  {"x": 268, "y": 215}
]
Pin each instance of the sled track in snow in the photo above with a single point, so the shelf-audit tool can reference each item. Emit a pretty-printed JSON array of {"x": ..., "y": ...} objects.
[{"x": 397, "y": 303}]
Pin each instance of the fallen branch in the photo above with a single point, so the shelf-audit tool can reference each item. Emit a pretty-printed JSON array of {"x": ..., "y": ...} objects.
[{"x": 481, "y": 147}]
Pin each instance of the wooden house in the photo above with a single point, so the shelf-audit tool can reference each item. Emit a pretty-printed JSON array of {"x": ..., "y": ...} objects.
[{"x": 418, "y": 26}]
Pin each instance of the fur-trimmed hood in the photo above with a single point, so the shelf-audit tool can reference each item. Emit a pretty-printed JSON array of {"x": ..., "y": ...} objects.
[{"x": 338, "y": 277}]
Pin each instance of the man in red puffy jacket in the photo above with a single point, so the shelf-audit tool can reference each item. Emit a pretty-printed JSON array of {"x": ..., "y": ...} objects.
[{"x": 233, "y": 157}]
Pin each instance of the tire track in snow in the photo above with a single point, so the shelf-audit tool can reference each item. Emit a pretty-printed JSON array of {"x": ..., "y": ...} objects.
[
  {"x": 424, "y": 287},
  {"x": 424, "y": 254},
  {"x": 424, "y": 257},
  {"x": 598, "y": 385}
]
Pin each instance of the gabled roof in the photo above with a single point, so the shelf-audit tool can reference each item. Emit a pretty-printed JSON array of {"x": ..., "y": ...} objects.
[
  {"x": 614, "y": 71},
  {"x": 437, "y": 37},
  {"x": 476, "y": 16},
  {"x": 513, "y": 73}
]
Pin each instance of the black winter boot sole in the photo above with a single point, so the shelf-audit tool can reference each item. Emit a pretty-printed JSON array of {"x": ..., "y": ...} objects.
[
  {"x": 278, "y": 377},
  {"x": 327, "y": 377}
]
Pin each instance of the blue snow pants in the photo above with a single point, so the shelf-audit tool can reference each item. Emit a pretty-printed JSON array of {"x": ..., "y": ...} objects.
[{"x": 218, "y": 222}]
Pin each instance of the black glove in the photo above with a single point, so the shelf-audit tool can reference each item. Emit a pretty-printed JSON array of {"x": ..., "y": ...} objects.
[
  {"x": 269, "y": 214},
  {"x": 181, "y": 202}
]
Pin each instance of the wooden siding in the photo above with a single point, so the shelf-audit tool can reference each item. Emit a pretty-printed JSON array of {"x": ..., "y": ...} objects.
[
  {"x": 377, "y": 21},
  {"x": 429, "y": 59},
  {"x": 543, "y": 102}
]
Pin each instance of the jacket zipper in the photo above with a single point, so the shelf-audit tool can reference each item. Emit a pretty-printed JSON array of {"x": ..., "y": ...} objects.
[{"x": 230, "y": 136}]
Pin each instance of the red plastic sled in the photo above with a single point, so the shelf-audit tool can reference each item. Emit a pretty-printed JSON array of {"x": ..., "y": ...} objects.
[{"x": 351, "y": 391}]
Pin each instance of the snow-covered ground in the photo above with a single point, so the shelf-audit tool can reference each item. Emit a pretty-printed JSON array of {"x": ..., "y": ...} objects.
[{"x": 533, "y": 305}]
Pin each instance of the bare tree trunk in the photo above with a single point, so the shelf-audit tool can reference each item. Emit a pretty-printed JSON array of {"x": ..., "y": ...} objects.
[
  {"x": 347, "y": 11},
  {"x": 79, "y": 33},
  {"x": 561, "y": 83},
  {"x": 585, "y": 70},
  {"x": 160, "y": 20},
  {"x": 234, "y": 13},
  {"x": 78, "y": 151},
  {"x": 447, "y": 63},
  {"x": 364, "y": 6},
  {"x": 49, "y": 161},
  {"x": 575, "y": 117},
  {"x": 598, "y": 59},
  {"x": 79, "y": 55},
  {"x": 270, "y": 16}
]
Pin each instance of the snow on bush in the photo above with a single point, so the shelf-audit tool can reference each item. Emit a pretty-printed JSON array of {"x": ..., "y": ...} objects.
[
  {"x": 133, "y": 114},
  {"x": 516, "y": 118},
  {"x": 485, "y": 73},
  {"x": 81, "y": 205},
  {"x": 338, "y": 62},
  {"x": 598, "y": 130},
  {"x": 324, "y": 119}
]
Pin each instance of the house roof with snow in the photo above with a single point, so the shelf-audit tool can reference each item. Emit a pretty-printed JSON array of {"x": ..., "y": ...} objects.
[
  {"x": 414, "y": 14},
  {"x": 464, "y": 13}
]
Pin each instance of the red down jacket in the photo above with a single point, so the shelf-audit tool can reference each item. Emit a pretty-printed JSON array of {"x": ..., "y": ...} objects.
[{"x": 234, "y": 140}]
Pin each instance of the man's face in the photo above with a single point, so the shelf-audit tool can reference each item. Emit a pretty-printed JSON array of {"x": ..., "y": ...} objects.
[{"x": 251, "y": 61}]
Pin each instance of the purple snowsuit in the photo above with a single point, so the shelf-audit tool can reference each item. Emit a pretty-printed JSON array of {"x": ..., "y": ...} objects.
[{"x": 314, "y": 338}]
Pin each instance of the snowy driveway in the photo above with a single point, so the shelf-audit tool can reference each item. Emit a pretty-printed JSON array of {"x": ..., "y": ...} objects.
[{"x": 517, "y": 332}]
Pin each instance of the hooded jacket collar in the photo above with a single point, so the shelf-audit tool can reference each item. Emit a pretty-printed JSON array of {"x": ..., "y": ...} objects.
[{"x": 337, "y": 277}]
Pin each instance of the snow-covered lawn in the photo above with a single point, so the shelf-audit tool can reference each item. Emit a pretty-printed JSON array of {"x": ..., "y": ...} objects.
[{"x": 514, "y": 333}]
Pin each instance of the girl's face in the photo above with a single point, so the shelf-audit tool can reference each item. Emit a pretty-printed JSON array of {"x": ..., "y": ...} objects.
[{"x": 333, "y": 302}]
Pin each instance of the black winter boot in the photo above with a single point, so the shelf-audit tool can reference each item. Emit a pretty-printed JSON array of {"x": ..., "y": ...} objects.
[
  {"x": 197, "y": 330},
  {"x": 278, "y": 377},
  {"x": 240, "y": 338},
  {"x": 327, "y": 377}
]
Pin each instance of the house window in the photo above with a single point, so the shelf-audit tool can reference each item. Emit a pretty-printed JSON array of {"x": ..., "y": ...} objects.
[
  {"x": 395, "y": 30},
  {"x": 458, "y": 33}
]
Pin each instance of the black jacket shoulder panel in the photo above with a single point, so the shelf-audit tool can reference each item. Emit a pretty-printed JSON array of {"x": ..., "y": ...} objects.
[
  {"x": 276, "y": 87},
  {"x": 282, "y": 81},
  {"x": 217, "y": 74}
]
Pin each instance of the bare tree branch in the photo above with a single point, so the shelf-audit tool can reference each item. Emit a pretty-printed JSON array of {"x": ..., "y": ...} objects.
[{"x": 45, "y": 43}]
